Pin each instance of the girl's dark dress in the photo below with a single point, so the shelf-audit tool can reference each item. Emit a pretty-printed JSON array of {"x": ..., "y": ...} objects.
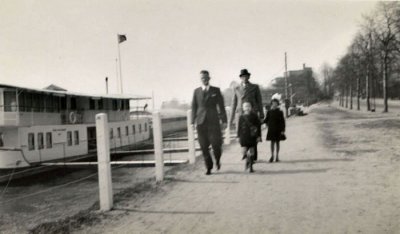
[
  {"x": 276, "y": 124},
  {"x": 245, "y": 138}
]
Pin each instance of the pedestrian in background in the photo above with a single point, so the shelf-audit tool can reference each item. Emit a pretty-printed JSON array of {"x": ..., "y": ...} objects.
[{"x": 275, "y": 122}]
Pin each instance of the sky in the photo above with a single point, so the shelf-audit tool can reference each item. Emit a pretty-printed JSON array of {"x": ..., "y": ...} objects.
[{"x": 73, "y": 44}]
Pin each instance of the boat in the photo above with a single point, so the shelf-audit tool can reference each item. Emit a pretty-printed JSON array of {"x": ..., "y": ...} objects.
[{"x": 53, "y": 124}]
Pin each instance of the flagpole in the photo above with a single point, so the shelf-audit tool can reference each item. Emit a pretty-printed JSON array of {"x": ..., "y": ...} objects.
[
  {"x": 120, "y": 69},
  {"x": 116, "y": 73}
]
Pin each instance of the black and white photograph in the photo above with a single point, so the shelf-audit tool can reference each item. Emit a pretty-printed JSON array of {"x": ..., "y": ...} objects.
[{"x": 199, "y": 116}]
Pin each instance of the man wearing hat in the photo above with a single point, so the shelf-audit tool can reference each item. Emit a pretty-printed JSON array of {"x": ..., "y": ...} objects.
[
  {"x": 248, "y": 92},
  {"x": 208, "y": 110}
]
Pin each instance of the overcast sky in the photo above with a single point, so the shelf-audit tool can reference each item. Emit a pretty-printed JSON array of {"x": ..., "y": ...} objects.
[{"x": 73, "y": 43}]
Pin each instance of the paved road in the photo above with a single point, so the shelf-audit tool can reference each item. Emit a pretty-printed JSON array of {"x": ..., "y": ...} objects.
[{"x": 334, "y": 178}]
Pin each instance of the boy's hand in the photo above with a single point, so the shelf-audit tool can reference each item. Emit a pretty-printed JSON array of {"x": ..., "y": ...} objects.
[{"x": 224, "y": 126}]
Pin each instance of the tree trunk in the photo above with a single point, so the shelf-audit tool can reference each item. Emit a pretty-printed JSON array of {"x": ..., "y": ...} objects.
[
  {"x": 351, "y": 96},
  {"x": 358, "y": 92},
  {"x": 342, "y": 98},
  {"x": 385, "y": 87},
  {"x": 347, "y": 98},
  {"x": 367, "y": 93}
]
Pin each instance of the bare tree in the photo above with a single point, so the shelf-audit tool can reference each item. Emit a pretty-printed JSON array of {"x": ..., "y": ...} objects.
[{"x": 386, "y": 31}]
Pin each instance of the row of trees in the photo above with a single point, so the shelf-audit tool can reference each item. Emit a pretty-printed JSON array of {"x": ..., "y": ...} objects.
[{"x": 371, "y": 66}]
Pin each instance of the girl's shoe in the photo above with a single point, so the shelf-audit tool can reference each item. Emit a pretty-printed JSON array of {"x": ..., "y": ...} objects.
[{"x": 271, "y": 160}]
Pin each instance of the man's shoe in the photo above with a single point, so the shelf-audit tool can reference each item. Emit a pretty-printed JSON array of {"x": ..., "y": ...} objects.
[
  {"x": 251, "y": 170},
  {"x": 277, "y": 160},
  {"x": 218, "y": 166},
  {"x": 208, "y": 172}
]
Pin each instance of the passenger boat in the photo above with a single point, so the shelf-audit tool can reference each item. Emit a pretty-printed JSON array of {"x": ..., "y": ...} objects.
[{"x": 53, "y": 124}]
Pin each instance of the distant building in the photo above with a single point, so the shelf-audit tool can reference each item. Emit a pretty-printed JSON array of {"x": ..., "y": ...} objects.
[{"x": 303, "y": 88}]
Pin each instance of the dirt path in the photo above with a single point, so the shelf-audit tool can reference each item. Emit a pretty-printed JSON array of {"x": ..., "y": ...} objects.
[{"x": 335, "y": 177}]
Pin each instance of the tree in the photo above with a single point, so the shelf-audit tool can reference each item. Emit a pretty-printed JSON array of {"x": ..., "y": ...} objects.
[
  {"x": 327, "y": 79},
  {"x": 386, "y": 31}
]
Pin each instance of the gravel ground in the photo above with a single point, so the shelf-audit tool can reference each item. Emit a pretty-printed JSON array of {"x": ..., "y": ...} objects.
[{"x": 339, "y": 174}]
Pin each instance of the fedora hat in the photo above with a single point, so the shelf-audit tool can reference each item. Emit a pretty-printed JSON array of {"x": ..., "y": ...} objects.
[{"x": 244, "y": 72}]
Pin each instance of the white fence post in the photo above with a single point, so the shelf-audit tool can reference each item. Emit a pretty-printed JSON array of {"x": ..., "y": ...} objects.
[
  {"x": 227, "y": 139},
  {"x": 103, "y": 159},
  {"x": 191, "y": 143},
  {"x": 158, "y": 151}
]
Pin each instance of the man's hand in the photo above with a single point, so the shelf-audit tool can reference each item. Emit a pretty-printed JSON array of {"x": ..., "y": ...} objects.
[{"x": 259, "y": 139}]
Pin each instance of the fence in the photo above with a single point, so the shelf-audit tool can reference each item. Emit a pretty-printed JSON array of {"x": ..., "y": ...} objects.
[{"x": 104, "y": 164}]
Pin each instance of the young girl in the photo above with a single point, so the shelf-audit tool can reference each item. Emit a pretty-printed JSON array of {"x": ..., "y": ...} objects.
[
  {"x": 276, "y": 128},
  {"x": 249, "y": 132}
]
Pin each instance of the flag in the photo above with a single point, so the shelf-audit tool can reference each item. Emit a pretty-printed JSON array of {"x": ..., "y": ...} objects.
[{"x": 121, "y": 38}]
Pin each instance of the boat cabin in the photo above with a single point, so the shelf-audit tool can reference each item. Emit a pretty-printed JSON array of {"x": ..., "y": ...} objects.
[{"x": 21, "y": 106}]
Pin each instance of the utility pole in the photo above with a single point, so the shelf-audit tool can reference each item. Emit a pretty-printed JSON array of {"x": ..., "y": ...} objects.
[
  {"x": 286, "y": 89},
  {"x": 106, "y": 85}
]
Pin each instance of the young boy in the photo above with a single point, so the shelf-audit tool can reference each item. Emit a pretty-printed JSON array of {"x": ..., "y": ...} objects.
[{"x": 249, "y": 132}]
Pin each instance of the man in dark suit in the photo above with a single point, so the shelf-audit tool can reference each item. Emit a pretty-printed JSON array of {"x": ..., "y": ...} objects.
[
  {"x": 207, "y": 110},
  {"x": 246, "y": 92}
]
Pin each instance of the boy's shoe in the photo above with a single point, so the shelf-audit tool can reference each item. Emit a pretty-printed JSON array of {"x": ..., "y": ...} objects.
[
  {"x": 251, "y": 170},
  {"x": 246, "y": 166},
  {"x": 277, "y": 160},
  {"x": 208, "y": 172}
]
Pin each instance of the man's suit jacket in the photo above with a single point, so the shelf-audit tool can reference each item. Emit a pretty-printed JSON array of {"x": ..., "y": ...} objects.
[
  {"x": 250, "y": 93},
  {"x": 208, "y": 107}
]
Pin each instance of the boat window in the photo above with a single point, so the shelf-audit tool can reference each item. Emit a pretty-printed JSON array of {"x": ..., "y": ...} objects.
[
  {"x": 127, "y": 105},
  {"x": 36, "y": 102},
  {"x": 21, "y": 101},
  {"x": 56, "y": 103},
  {"x": 119, "y": 132},
  {"x": 127, "y": 130},
  {"x": 69, "y": 138},
  {"x": 28, "y": 102},
  {"x": 133, "y": 129},
  {"x": 92, "y": 104},
  {"x": 49, "y": 140},
  {"x": 76, "y": 137},
  {"x": 111, "y": 133},
  {"x": 140, "y": 128},
  {"x": 49, "y": 103},
  {"x": 63, "y": 101},
  {"x": 10, "y": 102},
  {"x": 73, "y": 103},
  {"x": 114, "y": 104},
  {"x": 40, "y": 140},
  {"x": 1, "y": 140},
  {"x": 100, "y": 104},
  {"x": 31, "y": 141},
  {"x": 145, "y": 127}
]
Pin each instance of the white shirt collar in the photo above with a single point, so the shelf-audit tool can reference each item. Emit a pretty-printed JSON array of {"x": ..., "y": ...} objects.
[{"x": 205, "y": 88}]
